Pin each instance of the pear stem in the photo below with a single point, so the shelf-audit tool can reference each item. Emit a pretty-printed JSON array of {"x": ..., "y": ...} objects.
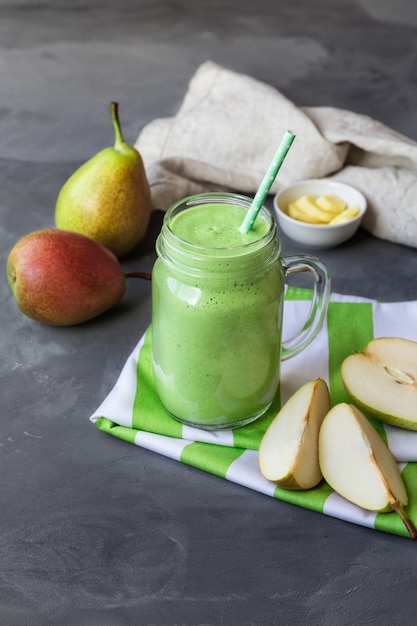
[
  {"x": 412, "y": 530},
  {"x": 144, "y": 275},
  {"x": 114, "y": 112}
]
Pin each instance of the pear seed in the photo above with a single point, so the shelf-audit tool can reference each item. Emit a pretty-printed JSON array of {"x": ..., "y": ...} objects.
[{"x": 400, "y": 376}]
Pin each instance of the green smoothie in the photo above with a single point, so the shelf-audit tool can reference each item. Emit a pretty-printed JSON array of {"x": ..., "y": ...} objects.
[{"x": 216, "y": 316}]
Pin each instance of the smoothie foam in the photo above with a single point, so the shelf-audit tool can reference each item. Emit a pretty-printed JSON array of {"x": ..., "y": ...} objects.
[{"x": 216, "y": 226}]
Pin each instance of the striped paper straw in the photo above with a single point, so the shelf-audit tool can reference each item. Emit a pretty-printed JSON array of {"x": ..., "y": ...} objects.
[{"x": 267, "y": 181}]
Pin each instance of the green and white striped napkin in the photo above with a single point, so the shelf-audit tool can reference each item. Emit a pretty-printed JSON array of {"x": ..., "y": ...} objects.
[{"x": 132, "y": 410}]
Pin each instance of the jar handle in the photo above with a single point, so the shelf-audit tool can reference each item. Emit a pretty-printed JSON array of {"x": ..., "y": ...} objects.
[{"x": 319, "y": 303}]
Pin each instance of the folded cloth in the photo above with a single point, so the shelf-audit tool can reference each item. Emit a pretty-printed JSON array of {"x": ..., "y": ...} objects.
[
  {"x": 228, "y": 129},
  {"x": 132, "y": 410}
]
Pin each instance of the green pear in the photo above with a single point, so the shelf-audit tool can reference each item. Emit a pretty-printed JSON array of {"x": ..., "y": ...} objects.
[
  {"x": 288, "y": 452},
  {"x": 108, "y": 198},
  {"x": 381, "y": 379},
  {"x": 62, "y": 278},
  {"x": 357, "y": 464}
]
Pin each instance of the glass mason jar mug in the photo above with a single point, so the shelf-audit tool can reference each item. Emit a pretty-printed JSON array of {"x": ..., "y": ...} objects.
[{"x": 217, "y": 310}]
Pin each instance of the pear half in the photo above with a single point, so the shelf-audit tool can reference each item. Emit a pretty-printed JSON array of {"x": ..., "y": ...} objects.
[
  {"x": 288, "y": 452},
  {"x": 356, "y": 462},
  {"x": 382, "y": 380}
]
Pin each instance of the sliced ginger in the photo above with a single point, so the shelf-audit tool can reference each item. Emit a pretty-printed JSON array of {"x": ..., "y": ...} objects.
[
  {"x": 325, "y": 209},
  {"x": 346, "y": 215},
  {"x": 306, "y": 211},
  {"x": 330, "y": 203}
]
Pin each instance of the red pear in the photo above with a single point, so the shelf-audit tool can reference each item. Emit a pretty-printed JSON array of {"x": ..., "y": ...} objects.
[{"x": 63, "y": 278}]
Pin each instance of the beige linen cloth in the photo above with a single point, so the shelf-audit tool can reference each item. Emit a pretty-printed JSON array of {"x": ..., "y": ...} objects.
[{"x": 228, "y": 129}]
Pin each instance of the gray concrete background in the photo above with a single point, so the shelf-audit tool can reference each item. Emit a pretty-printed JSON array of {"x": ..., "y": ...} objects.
[{"x": 92, "y": 531}]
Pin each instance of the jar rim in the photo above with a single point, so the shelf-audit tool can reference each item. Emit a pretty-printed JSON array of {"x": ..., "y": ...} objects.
[{"x": 219, "y": 198}]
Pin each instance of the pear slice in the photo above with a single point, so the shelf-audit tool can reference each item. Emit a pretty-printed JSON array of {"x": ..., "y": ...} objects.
[
  {"x": 288, "y": 452},
  {"x": 382, "y": 380},
  {"x": 356, "y": 462}
]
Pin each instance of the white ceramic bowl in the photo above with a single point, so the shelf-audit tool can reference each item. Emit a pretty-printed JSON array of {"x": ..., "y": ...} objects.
[{"x": 318, "y": 235}]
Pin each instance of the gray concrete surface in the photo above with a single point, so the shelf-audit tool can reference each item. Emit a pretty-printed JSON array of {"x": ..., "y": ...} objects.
[{"x": 92, "y": 531}]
